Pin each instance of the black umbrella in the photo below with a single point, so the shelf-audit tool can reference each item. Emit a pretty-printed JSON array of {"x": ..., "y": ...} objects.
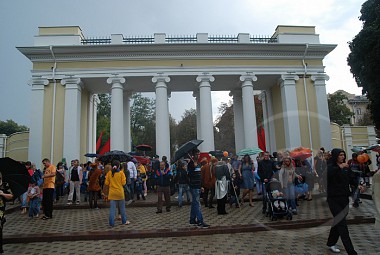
[
  {"x": 108, "y": 157},
  {"x": 91, "y": 155},
  {"x": 186, "y": 148},
  {"x": 16, "y": 175}
]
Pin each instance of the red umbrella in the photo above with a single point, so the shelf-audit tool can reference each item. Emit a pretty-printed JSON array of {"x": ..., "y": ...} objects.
[
  {"x": 144, "y": 147},
  {"x": 204, "y": 155},
  {"x": 301, "y": 153},
  {"x": 142, "y": 160}
]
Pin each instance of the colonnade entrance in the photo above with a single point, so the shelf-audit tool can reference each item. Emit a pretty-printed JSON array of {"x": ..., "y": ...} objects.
[{"x": 69, "y": 71}]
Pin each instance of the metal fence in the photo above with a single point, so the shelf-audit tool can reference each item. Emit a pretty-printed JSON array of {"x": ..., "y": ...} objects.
[{"x": 177, "y": 39}]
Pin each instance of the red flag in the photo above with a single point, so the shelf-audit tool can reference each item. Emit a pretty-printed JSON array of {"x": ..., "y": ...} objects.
[
  {"x": 261, "y": 138},
  {"x": 106, "y": 147},
  {"x": 98, "y": 142}
]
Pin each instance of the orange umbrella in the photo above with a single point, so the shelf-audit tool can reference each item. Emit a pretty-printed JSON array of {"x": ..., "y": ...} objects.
[{"x": 301, "y": 153}]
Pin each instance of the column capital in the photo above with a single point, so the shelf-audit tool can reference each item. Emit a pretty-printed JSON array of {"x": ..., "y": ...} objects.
[
  {"x": 205, "y": 77},
  {"x": 39, "y": 81},
  {"x": 319, "y": 79},
  {"x": 116, "y": 79},
  {"x": 72, "y": 83},
  {"x": 160, "y": 78},
  {"x": 291, "y": 77},
  {"x": 248, "y": 77}
]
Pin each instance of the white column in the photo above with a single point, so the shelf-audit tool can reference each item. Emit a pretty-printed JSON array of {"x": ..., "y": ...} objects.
[
  {"x": 198, "y": 117},
  {"x": 249, "y": 113},
  {"x": 323, "y": 110},
  {"x": 270, "y": 134},
  {"x": 290, "y": 111},
  {"x": 238, "y": 120},
  {"x": 3, "y": 141},
  {"x": 72, "y": 118},
  {"x": 90, "y": 126},
  {"x": 347, "y": 138},
  {"x": 127, "y": 121},
  {"x": 205, "y": 107},
  {"x": 371, "y": 141},
  {"x": 162, "y": 116},
  {"x": 95, "y": 120},
  {"x": 117, "y": 117},
  {"x": 36, "y": 120}
]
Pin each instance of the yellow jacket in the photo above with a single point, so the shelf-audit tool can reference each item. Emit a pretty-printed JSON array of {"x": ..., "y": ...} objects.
[
  {"x": 116, "y": 185},
  {"x": 142, "y": 170}
]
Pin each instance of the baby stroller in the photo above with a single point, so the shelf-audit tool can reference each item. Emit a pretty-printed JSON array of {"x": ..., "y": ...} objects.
[{"x": 277, "y": 205}]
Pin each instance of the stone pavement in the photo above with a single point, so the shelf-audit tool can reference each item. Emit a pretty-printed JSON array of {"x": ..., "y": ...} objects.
[{"x": 245, "y": 231}]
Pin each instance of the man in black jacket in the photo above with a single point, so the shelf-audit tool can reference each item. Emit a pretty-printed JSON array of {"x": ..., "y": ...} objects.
[
  {"x": 194, "y": 171},
  {"x": 163, "y": 179},
  {"x": 339, "y": 179},
  {"x": 265, "y": 171}
]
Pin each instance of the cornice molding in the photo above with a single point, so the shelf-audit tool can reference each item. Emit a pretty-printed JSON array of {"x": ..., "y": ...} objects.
[{"x": 176, "y": 51}]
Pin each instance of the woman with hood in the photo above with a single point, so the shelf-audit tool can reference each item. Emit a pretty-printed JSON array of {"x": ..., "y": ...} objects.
[{"x": 339, "y": 179}]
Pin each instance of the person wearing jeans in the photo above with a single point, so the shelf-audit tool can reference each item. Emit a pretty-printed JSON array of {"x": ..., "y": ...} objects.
[
  {"x": 183, "y": 182},
  {"x": 194, "y": 172},
  {"x": 116, "y": 180}
]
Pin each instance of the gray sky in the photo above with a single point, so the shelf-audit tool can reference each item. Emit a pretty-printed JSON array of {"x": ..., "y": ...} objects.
[{"x": 336, "y": 21}]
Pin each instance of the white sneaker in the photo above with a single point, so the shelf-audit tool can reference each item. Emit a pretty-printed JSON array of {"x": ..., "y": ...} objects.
[{"x": 334, "y": 249}]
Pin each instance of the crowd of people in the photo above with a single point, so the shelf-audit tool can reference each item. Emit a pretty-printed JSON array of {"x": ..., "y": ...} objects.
[{"x": 227, "y": 180}]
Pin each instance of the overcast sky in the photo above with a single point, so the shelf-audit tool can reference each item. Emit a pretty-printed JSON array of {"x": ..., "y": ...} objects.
[{"x": 336, "y": 22}]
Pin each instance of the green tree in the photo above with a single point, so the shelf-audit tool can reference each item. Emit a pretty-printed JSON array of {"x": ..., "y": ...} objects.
[
  {"x": 143, "y": 123},
  {"x": 186, "y": 129},
  {"x": 224, "y": 128},
  {"x": 339, "y": 113},
  {"x": 9, "y": 127},
  {"x": 364, "y": 58},
  {"x": 103, "y": 124}
]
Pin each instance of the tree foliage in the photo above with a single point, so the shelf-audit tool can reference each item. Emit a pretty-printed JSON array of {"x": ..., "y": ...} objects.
[
  {"x": 186, "y": 129},
  {"x": 364, "y": 58},
  {"x": 143, "y": 124},
  {"x": 9, "y": 127},
  {"x": 103, "y": 124},
  {"x": 224, "y": 132},
  {"x": 104, "y": 106},
  {"x": 339, "y": 113}
]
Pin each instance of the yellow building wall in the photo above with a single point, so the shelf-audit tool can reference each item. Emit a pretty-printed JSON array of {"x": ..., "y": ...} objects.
[
  {"x": 64, "y": 30},
  {"x": 47, "y": 122},
  {"x": 84, "y": 121},
  {"x": 304, "y": 118},
  {"x": 359, "y": 136},
  {"x": 336, "y": 136},
  {"x": 59, "y": 122},
  {"x": 281, "y": 29},
  {"x": 17, "y": 146},
  {"x": 278, "y": 117}
]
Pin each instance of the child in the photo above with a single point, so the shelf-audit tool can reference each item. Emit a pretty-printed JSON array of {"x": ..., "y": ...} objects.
[
  {"x": 33, "y": 194},
  {"x": 234, "y": 191},
  {"x": 139, "y": 186}
]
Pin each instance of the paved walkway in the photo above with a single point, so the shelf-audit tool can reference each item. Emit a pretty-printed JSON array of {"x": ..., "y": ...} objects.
[{"x": 242, "y": 231}]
